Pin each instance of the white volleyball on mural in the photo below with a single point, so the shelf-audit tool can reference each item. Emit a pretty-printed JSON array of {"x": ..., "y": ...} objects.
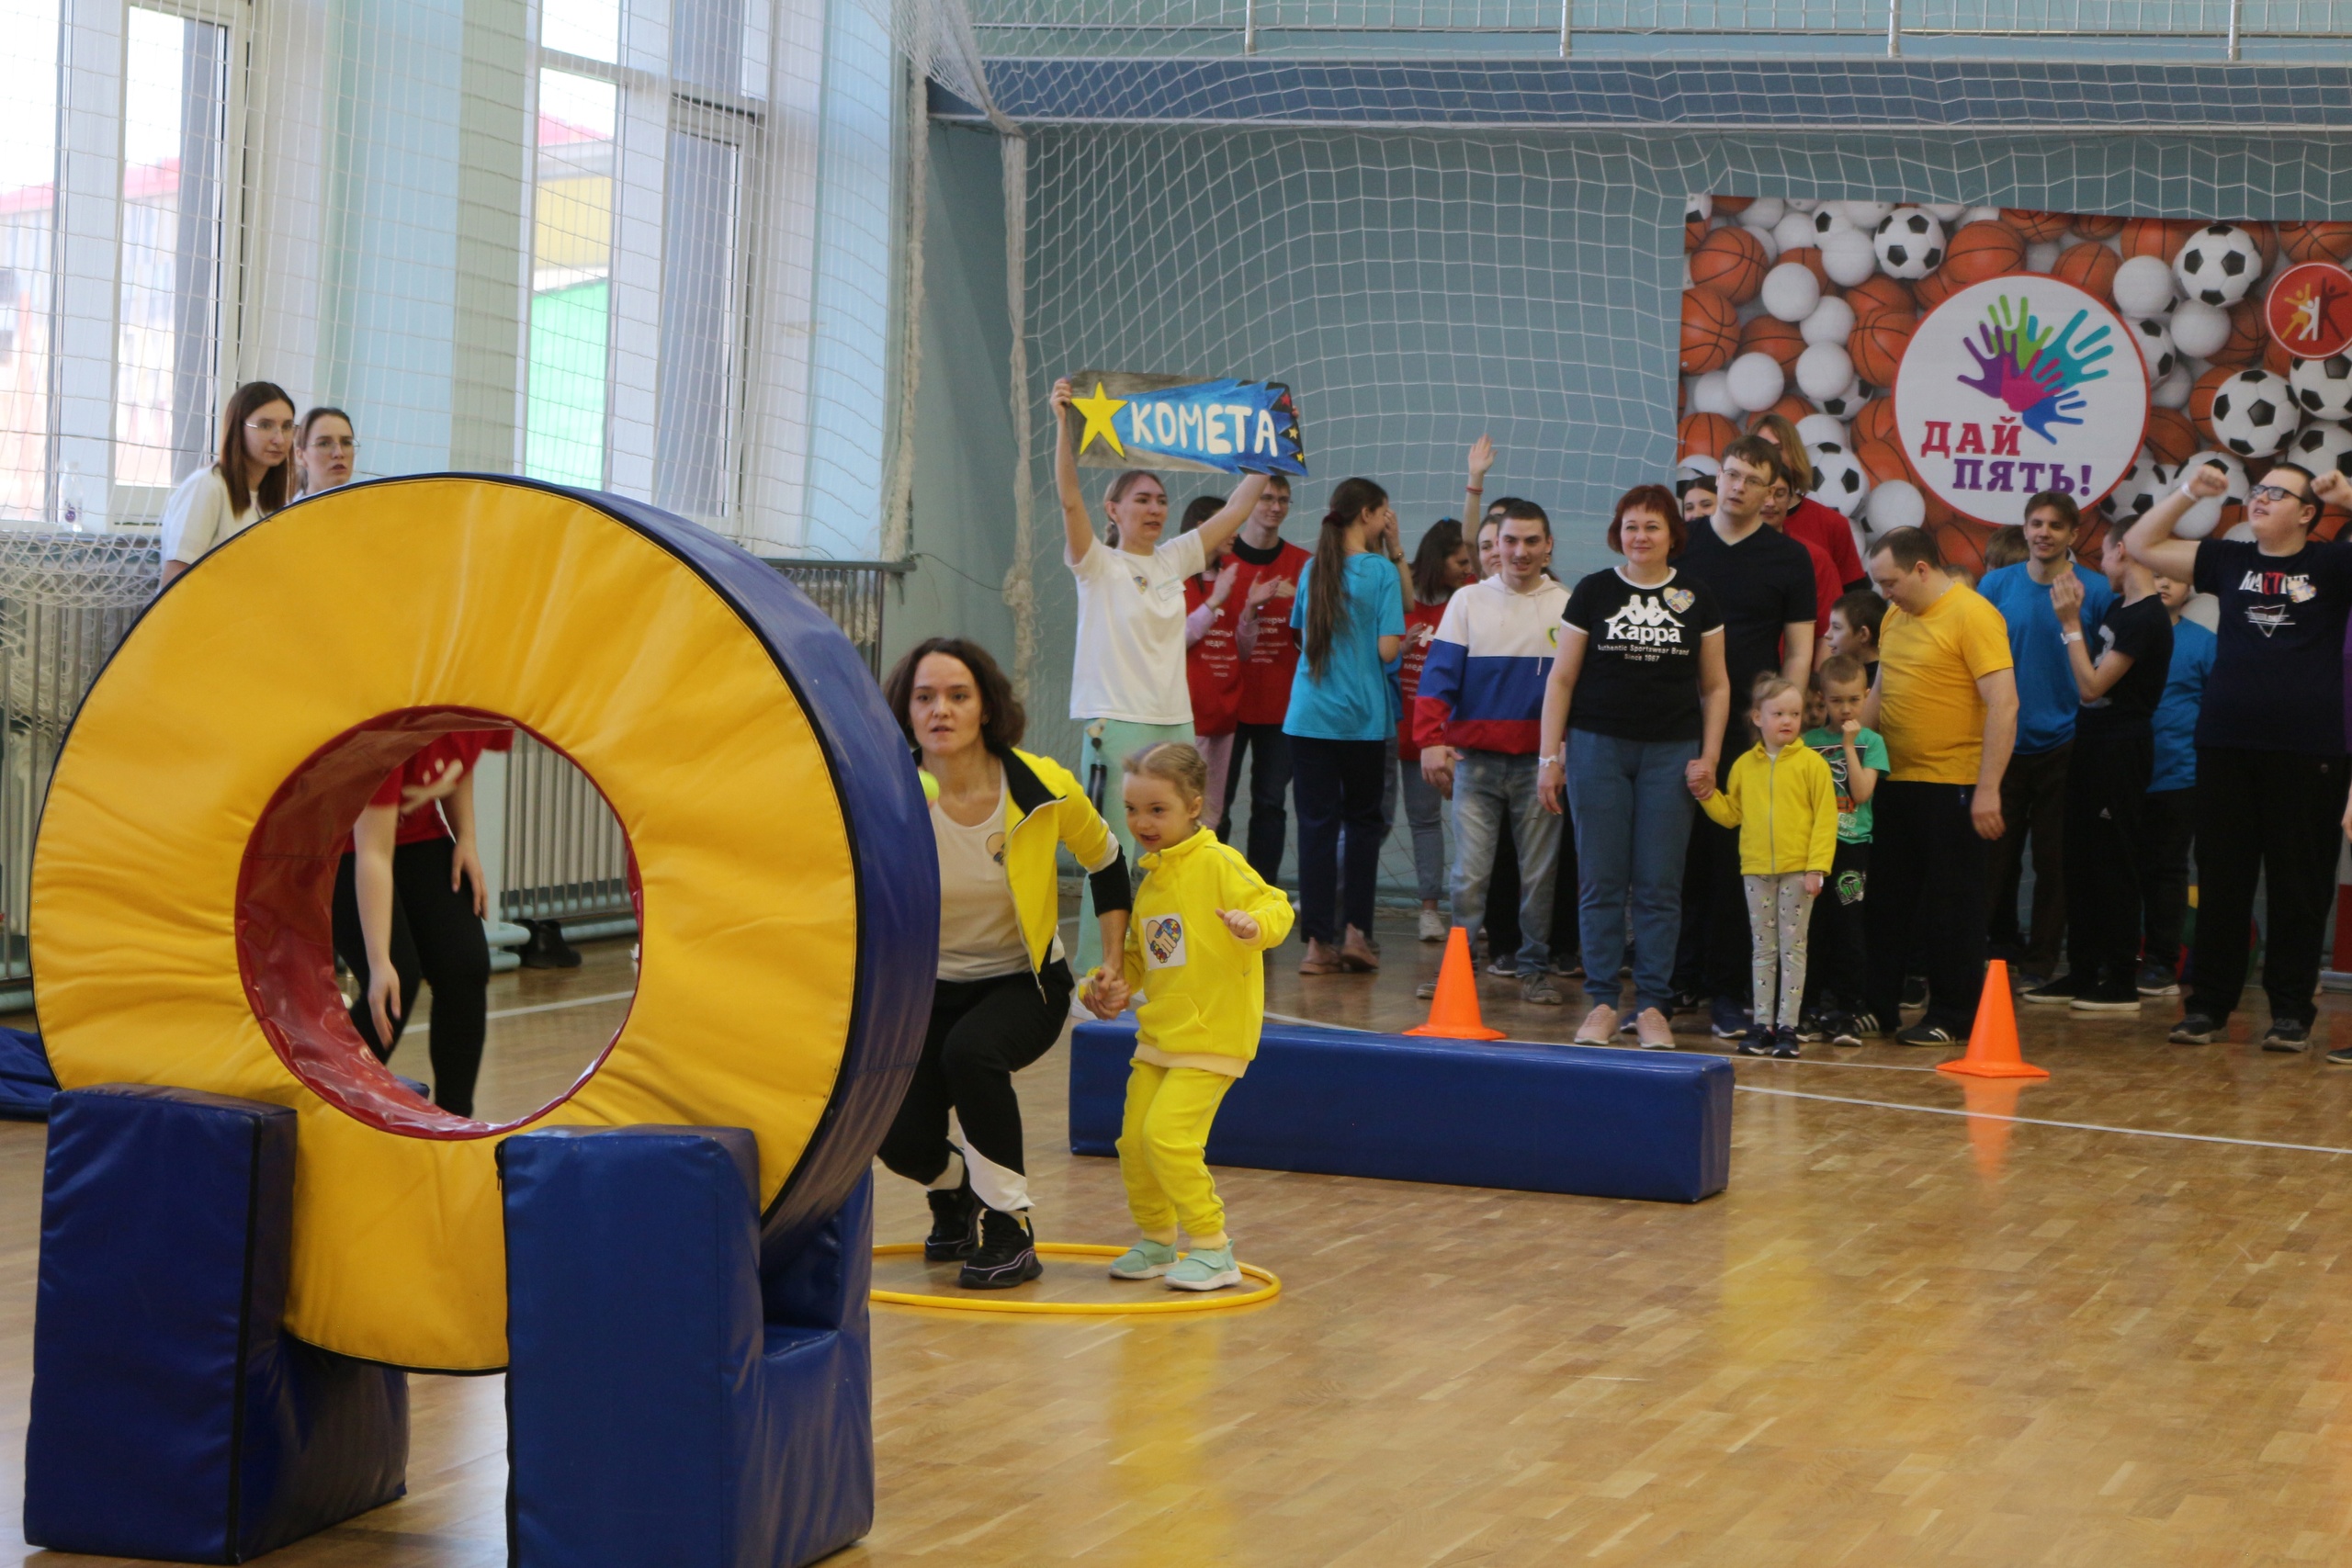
[
  {"x": 1756, "y": 381},
  {"x": 2143, "y": 286},
  {"x": 1823, "y": 371},
  {"x": 1848, "y": 257},
  {"x": 1764, "y": 212},
  {"x": 1793, "y": 231},
  {"x": 1832, "y": 320},
  {"x": 1865, "y": 215},
  {"x": 2173, "y": 391},
  {"x": 1897, "y": 504},
  {"x": 2041, "y": 255},
  {"x": 1710, "y": 393},
  {"x": 1791, "y": 291},
  {"x": 1815, "y": 428},
  {"x": 2199, "y": 330}
]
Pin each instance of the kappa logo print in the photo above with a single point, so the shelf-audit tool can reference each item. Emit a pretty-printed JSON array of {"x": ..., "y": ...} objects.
[
  {"x": 1163, "y": 942},
  {"x": 1645, "y": 621}
]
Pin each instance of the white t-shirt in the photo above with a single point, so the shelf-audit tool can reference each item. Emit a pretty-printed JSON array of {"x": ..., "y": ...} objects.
[
  {"x": 1131, "y": 633},
  {"x": 980, "y": 931},
  {"x": 198, "y": 516}
]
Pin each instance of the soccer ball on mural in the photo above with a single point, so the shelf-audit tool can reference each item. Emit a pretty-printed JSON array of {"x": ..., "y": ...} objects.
[
  {"x": 1910, "y": 243},
  {"x": 2142, "y": 485},
  {"x": 2322, "y": 387},
  {"x": 2219, "y": 265},
  {"x": 2253, "y": 413},
  {"x": 1838, "y": 479}
]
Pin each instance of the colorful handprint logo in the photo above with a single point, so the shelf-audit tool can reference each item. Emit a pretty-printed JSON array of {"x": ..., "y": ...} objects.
[{"x": 2033, "y": 369}]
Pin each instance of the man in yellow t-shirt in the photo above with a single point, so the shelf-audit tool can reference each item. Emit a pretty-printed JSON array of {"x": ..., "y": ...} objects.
[{"x": 1947, "y": 703}]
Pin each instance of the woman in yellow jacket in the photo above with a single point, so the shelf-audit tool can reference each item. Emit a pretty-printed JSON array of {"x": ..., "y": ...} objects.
[
  {"x": 1003, "y": 986},
  {"x": 1784, "y": 801},
  {"x": 1192, "y": 972}
]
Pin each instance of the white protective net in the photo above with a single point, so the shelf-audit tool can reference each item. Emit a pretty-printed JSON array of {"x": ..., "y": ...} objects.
[{"x": 653, "y": 247}]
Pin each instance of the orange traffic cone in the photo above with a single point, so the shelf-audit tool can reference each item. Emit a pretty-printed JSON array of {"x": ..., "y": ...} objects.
[
  {"x": 1992, "y": 1043},
  {"x": 1454, "y": 1012}
]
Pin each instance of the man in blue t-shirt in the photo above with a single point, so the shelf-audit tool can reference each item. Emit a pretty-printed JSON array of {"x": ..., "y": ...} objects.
[{"x": 2033, "y": 792}]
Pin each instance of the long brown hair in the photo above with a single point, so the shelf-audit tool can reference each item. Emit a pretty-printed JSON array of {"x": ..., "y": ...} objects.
[
  {"x": 1436, "y": 548},
  {"x": 1326, "y": 595},
  {"x": 276, "y": 483},
  {"x": 1003, "y": 718}
]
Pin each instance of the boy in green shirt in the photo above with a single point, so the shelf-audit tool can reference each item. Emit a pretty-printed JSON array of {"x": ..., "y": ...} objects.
[{"x": 1857, "y": 758}]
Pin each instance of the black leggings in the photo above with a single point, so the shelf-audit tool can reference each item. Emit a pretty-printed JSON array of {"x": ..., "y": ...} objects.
[
  {"x": 981, "y": 1033},
  {"x": 437, "y": 939}
]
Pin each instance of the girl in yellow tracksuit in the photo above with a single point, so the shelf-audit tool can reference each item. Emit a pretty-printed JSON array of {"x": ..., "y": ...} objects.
[
  {"x": 1202, "y": 917},
  {"x": 1783, "y": 798}
]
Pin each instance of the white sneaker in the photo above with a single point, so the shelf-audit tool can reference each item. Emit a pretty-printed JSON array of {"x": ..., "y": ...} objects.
[
  {"x": 1598, "y": 1027},
  {"x": 1433, "y": 926}
]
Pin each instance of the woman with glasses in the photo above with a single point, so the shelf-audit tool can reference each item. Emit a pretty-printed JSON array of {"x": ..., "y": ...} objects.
[
  {"x": 324, "y": 451},
  {"x": 252, "y": 478}
]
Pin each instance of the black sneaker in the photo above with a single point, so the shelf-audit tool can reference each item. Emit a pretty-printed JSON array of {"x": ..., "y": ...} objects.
[
  {"x": 547, "y": 949},
  {"x": 2289, "y": 1034},
  {"x": 955, "y": 1225},
  {"x": 2194, "y": 1028},
  {"x": 1687, "y": 1001},
  {"x": 1755, "y": 1041},
  {"x": 2155, "y": 980},
  {"x": 2058, "y": 992},
  {"x": 1007, "y": 1254},
  {"x": 2340, "y": 1057},
  {"x": 1853, "y": 1028},
  {"x": 1914, "y": 990},
  {"x": 2108, "y": 996},
  {"x": 1926, "y": 1033},
  {"x": 1814, "y": 1028},
  {"x": 1728, "y": 1018},
  {"x": 1785, "y": 1044}
]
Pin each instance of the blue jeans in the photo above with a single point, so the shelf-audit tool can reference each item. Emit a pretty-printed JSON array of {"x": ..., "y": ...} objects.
[
  {"x": 1425, "y": 809},
  {"x": 1489, "y": 788},
  {"x": 1632, "y": 814}
]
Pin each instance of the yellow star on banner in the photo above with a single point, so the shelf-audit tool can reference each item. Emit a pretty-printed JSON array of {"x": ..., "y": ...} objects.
[{"x": 1097, "y": 410}]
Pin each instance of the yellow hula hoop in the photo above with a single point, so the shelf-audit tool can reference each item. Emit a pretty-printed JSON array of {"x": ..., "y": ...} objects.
[{"x": 1205, "y": 1301}]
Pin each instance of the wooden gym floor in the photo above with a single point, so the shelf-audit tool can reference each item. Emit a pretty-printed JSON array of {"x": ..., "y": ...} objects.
[{"x": 2117, "y": 1331}]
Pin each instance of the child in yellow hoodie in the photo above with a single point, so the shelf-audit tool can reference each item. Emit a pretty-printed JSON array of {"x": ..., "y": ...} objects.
[
  {"x": 1202, "y": 917},
  {"x": 1783, "y": 798}
]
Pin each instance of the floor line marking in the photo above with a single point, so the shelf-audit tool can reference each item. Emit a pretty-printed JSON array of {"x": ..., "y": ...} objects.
[
  {"x": 2043, "y": 1122},
  {"x": 426, "y": 1027}
]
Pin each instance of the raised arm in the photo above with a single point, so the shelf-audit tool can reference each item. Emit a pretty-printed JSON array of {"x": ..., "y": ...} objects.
[
  {"x": 2092, "y": 682},
  {"x": 1473, "y": 496},
  {"x": 1078, "y": 527},
  {"x": 1559, "y": 693},
  {"x": 2151, "y": 541},
  {"x": 1219, "y": 529}
]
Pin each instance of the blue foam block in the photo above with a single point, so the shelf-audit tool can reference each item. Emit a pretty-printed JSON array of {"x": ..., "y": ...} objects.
[
  {"x": 171, "y": 1417},
  {"x": 27, "y": 1086},
  {"x": 665, "y": 1402},
  {"x": 1578, "y": 1119}
]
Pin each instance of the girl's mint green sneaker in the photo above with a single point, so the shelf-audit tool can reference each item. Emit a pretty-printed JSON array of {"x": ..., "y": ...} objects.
[
  {"x": 1144, "y": 1260},
  {"x": 1202, "y": 1269}
]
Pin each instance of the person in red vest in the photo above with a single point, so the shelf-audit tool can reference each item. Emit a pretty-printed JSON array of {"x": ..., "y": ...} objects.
[
  {"x": 1267, "y": 581},
  {"x": 1838, "y": 568},
  {"x": 1213, "y": 656}
]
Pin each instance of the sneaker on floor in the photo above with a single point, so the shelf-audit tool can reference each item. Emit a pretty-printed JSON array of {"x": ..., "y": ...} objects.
[
  {"x": 1505, "y": 967},
  {"x": 2194, "y": 1028},
  {"x": 955, "y": 1224},
  {"x": 1813, "y": 1029},
  {"x": 1538, "y": 990},
  {"x": 2110, "y": 996},
  {"x": 1926, "y": 1033},
  {"x": 1146, "y": 1259},
  {"x": 1568, "y": 968},
  {"x": 2027, "y": 979},
  {"x": 1598, "y": 1026},
  {"x": 1652, "y": 1031},
  {"x": 1426, "y": 990},
  {"x": 1687, "y": 1001},
  {"x": 2155, "y": 980},
  {"x": 1006, "y": 1256},
  {"x": 1433, "y": 926},
  {"x": 1756, "y": 1041},
  {"x": 2060, "y": 992},
  {"x": 2340, "y": 1057},
  {"x": 2289, "y": 1034},
  {"x": 1853, "y": 1028},
  {"x": 1727, "y": 1019},
  {"x": 1201, "y": 1269},
  {"x": 1915, "y": 991},
  {"x": 1785, "y": 1045}
]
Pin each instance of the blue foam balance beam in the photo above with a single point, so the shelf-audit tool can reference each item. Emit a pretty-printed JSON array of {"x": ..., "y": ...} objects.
[
  {"x": 171, "y": 1417},
  {"x": 1585, "y": 1120},
  {"x": 666, "y": 1403}
]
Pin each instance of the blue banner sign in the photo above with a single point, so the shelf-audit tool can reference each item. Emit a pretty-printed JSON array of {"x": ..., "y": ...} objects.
[{"x": 1223, "y": 426}]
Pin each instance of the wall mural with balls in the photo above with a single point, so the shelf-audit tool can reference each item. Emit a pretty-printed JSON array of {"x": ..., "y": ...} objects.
[{"x": 1945, "y": 363}]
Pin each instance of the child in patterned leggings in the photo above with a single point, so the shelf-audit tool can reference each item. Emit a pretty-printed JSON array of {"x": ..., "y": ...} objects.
[{"x": 1781, "y": 797}]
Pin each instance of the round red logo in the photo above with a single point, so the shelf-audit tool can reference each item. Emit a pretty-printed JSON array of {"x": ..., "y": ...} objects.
[{"x": 2309, "y": 309}]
